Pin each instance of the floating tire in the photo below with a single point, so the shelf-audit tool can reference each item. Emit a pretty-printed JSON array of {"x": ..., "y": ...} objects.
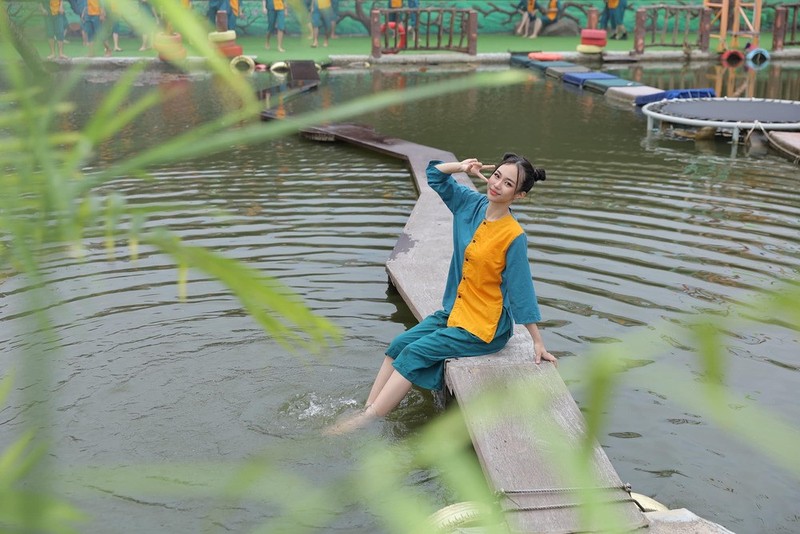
[
  {"x": 222, "y": 37},
  {"x": 589, "y": 49},
  {"x": 731, "y": 59},
  {"x": 243, "y": 64},
  {"x": 279, "y": 67},
  {"x": 757, "y": 58},
  {"x": 458, "y": 515},
  {"x": 230, "y": 50}
]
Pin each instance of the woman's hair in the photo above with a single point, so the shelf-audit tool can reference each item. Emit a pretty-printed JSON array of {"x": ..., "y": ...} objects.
[{"x": 525, "y": 169}]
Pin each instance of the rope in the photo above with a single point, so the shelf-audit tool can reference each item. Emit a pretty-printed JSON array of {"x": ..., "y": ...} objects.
[
  {"x": 563, "y": 505},
  {"x": 506, "y": 494},
  {"x": 795, "y": 158}
]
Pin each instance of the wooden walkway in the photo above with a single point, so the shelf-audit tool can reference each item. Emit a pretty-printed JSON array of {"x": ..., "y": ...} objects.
[{"x": 535, "y": 496}]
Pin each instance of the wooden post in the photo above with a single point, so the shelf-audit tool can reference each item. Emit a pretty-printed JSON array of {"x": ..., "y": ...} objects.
[
  {"x": 222, "y": 21},
  {"x": 375, "y": 32},
  {"x": 639, "y": 31},
  {"x": 779, "y": 28},
  {"x": 472, "y": 37},
  {"x": 592, "y": 18},
  {"x": 704, "y": 29}
]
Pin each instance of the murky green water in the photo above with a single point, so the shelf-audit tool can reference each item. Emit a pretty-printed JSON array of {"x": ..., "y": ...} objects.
[{"x": 628, "y": 232}]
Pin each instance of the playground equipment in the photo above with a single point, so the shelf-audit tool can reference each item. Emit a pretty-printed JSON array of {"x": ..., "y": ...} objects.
[{"x": 737, "y": 18}]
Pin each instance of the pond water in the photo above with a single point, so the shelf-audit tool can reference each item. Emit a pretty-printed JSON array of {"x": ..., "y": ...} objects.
[{"x": 629, "y": 233}]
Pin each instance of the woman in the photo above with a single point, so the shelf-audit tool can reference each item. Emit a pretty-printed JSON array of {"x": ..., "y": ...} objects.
[{"x": 488, "y": 290}]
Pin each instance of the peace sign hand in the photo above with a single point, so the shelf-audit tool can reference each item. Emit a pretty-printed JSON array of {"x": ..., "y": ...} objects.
[{"x": 474, "y": 167}]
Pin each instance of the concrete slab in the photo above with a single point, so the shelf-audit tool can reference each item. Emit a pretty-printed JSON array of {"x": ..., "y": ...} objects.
[
  {"x": 558, "y": 72},
  {"x": 601, "y": 86},
  {"x": 627, "y": 95},
  {"x": 787, "y": 144}
]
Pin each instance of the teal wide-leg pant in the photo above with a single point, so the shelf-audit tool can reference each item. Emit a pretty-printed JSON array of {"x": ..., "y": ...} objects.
[{"x": 420, "y": 352}]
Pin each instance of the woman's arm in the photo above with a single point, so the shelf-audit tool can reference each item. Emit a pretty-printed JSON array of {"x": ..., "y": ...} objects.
[
  {"x": 470, "y": 166},
  {"x": 539, "y": 349}
]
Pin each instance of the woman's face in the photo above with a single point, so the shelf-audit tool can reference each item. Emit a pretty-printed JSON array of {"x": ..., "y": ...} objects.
[{"x": 503, "y": 184}]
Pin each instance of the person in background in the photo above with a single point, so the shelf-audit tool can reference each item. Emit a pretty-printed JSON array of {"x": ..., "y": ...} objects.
[
  {"x": 547, "y": 16},
  {"x": 233, "y": 13},
  {"x": 113, "y": 18},
  {"x": 394, "y": 4},
  {"x": 527, "y": 10},
  {"x": 149, "y": 12},
  {"x": 321, "y": 17},
  {"x": 78, "y": 7},
  {"x": 334, "y": 17},
  {"x": 489, "y": 286},
  {"x": 275, "y": 10},
  {"x": 93, "y": 17},
  {"x": 55, "y": 26},
  {"x": 613, "y": 15},
  {"x": 412, "y": 17}
]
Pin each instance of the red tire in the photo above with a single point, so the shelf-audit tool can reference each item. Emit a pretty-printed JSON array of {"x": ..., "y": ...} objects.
[
  {"x": 230, "y": 50},
  {"x": 401, "y": 33}
]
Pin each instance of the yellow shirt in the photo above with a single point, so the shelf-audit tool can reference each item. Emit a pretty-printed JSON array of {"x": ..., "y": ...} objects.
[
  {"x": 479, "y": 303},
  {"x": 235, "y": 7},
  {"x": 93, "y": 7},
  {"x": 278, "y": 5},
  {"x": 55, "y": 7},
  {"x": 552, "y": 10},
  {"x": 396, "y": 4},
  {"x": 324, "y": 4}
]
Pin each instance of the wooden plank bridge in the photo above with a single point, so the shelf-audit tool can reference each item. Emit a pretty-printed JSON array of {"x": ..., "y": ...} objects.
[{"x": 535, "y": 497}]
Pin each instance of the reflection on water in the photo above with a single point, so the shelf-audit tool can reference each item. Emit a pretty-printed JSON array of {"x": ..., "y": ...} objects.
[
  {"x": 775, "y": 80},
  {"x": 628, "y": 234}
]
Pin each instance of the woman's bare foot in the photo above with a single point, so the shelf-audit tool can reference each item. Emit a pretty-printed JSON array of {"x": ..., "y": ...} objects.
[{"x": 351, "y": 423}]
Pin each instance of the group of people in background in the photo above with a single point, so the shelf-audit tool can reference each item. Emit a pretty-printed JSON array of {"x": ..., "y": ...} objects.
[
  {"x": 536, "y": 15},
  {"x": 94, "y": 15}
]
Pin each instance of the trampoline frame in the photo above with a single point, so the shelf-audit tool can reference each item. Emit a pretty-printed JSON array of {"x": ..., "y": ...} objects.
[{"x": 734, "y": 126}]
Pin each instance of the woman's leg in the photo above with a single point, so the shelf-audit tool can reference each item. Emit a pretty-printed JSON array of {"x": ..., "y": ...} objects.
[
  {"x": 395, "y": 389},
  {"x": 384, "y": 373}
]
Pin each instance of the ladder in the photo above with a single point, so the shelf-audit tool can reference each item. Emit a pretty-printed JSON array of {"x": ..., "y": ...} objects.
[{"x": 744, "y": 18}]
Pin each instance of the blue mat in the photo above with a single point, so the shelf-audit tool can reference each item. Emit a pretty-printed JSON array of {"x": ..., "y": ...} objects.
[
  {"x": 579, "y": 78},
  {"x": 674, "y": 94}
]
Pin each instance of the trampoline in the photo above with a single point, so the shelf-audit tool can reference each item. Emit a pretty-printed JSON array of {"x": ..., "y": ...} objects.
[{"x": 732, "y": 114}]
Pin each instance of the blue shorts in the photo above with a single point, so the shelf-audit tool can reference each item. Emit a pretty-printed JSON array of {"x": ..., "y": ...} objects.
[
  {"x": 55, "y": 26},
  {"x": 420, "y": 352},
  {"x": 276, "y": 20},
  {"x": 91, "y": 25},
  {"x": 322, "y": 18}
]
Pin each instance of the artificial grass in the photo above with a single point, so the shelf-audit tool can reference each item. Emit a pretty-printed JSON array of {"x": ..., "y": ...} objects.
[{"x": 299, "y": 47}]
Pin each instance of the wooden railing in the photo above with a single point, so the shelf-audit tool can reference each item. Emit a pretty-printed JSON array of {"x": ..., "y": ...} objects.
[
  {"x": 448, "y": 29},
  {"x": 787, "y": 26},
  {"x": 670, "y": 26}
]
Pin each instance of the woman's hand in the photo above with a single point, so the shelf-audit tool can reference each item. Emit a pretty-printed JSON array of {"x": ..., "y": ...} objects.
[
  {"x": 541, "y": 354},
  {"x": 474, "y": 167}
]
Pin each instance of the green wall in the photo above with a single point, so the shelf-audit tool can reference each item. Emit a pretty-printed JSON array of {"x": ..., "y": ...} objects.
[{"x": 496, "y": 16}]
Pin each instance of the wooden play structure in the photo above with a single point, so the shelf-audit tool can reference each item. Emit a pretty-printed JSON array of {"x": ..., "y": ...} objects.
[{"x": 736, "y": 18}]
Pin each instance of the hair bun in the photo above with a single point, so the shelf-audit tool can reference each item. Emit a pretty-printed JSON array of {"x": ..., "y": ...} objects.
[{"x": 539, "y": 175}]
